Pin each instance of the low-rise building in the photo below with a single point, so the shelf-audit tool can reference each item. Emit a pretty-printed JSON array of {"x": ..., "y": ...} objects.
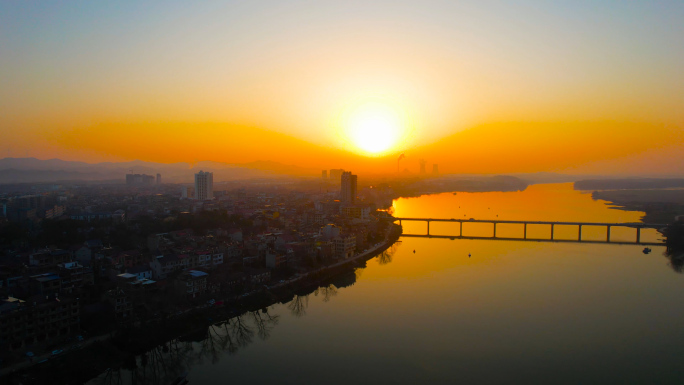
[
  {"x": 275, "y": 259},
  {"x": 141, "y": 272},
  {"x": 164, "y": 265},
  {"x": 203, "y": 258},
  {"x": 345, "y": 246},
  {"x": 36, "y": 320},
  {"x": 217, "y": 259},
  {"x": 46, "y": 283},
  {"x": 47, "y": 257},
  {"x": 74, "y": 277},
  {"x": 192, "y": 283},
  {"x": 356, "y": 211},
  {"x": 120, "y": 301}
]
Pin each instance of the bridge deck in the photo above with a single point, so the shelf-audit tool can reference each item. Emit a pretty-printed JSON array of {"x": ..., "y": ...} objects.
[
  {"x": 635, "y": 225},
  {"x": 623, "y": 224}
]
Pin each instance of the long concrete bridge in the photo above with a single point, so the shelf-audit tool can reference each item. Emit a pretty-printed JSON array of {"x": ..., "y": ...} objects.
[{"x": 635, "y": 225}]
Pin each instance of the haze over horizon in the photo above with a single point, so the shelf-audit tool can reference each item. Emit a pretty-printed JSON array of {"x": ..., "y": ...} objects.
[{"x": 484, "y": 87}]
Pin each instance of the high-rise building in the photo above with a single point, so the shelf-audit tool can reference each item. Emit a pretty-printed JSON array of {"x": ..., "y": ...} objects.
[
  {"x": 348, "y": 187},
  {"x": 139, "y": 179},
  {"x": 324, "y": 174},
  {"x": 335, "y": 174},
  {"x": 422, "y": 166},
  {"x": 158, "y": 178},
  {"x": 435, "y": 170},
  {"x": 204, "y": 185}
]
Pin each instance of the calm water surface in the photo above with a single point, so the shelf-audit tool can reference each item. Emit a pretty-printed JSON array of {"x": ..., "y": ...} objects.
[{"x": 513, "y": 312}]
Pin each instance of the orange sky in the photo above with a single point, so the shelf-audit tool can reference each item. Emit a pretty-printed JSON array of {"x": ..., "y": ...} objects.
[{"x": 477, "y": 88}]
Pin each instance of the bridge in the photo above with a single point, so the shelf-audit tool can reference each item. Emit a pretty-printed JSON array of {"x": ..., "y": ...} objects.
[{"x": 636, "y": 225}]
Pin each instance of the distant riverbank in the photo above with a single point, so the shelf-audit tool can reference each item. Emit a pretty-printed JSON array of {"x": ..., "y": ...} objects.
[{"x": 659, "y": 206}]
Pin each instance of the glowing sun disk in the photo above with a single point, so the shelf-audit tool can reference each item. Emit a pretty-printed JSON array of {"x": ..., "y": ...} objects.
[{"x": 374, "y": 129}]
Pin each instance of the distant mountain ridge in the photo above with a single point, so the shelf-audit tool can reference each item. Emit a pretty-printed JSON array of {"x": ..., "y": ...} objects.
[{"x": 32, "y": 170}]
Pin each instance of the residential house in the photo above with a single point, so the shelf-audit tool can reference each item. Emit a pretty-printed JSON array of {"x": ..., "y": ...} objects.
[
  {"x": 275, "y": 259},
  {"x": 345, "y": 246},
  {"x": 141, "y": 272},
  {"x": 120, "y": 301},
  {"x": 192, "y": 283},
  {"x": 164, "y": 265},
  {"x": 37, "y": 319}
]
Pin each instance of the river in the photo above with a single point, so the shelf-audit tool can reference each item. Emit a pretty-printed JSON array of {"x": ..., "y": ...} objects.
[{"x": 511, "y": 312}]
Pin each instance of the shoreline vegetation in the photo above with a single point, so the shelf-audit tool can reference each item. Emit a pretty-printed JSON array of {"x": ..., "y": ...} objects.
[
  {"x": 674, "y": 240},
  {"x": 661, "y": 199},
  {"x": 119, "y": 348},
  {"x": 659, "y": 206}
]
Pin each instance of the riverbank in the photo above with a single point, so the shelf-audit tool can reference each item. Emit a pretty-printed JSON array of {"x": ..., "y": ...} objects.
[
  {"x": 119, "y": 348},
  {"x": 659, "y": 206}
]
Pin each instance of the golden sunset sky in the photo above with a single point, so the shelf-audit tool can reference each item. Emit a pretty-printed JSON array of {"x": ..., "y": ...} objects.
[{"x": 477, "y": 87}]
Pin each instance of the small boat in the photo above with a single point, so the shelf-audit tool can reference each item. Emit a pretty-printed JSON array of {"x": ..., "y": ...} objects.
[
  {"x": 468, "y": 255},
  {"x": 414, "y": 251},
  {"x": 647, "y": 250}
]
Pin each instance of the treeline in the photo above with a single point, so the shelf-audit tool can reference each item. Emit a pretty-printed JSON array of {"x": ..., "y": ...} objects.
[
  {"x": 674, "y": 234},
  {"x": 628, "y": 184}
]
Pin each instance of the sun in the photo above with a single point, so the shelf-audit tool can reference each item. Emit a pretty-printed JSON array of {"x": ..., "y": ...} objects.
[{"x": 374, "y": 127}]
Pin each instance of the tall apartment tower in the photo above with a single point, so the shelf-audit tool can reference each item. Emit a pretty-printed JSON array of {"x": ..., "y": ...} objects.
[
  {"x": 204, "y": 185},
  {"x": 335, "y": 174},
  {"x": 422, "y": 166},
  {"x": 435, "y": 169},
  {"x": 158, "y": 178},
  {"x": 324, "y": 174},
  {"x": 348, "y": 187}
]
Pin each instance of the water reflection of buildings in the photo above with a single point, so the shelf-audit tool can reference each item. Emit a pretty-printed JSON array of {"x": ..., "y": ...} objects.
[{"x": 166, "y": 362}]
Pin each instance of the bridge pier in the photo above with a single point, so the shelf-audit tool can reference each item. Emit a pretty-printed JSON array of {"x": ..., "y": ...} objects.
[
  {"x": 579, "y": 233},
  {"x": 638, "y": 235},
  {"x": 607, "y": 233},
  {"x": 525, "y": 231},
  {"x": 552, "y": 231},
  {"x": 428, "y": 227},
  {"x": 494, "y": 230},
  {"x": 460, "y": 232}
]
